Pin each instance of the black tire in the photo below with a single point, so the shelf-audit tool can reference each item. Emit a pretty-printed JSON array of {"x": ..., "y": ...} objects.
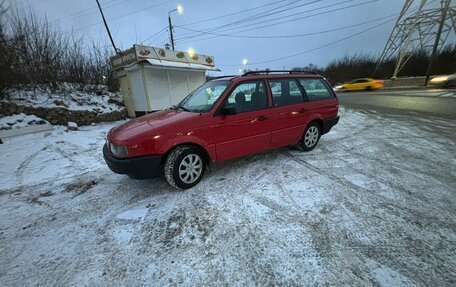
[
  {"x": 313, "y": 132},
  {"x": 369, "y": 88},
  {"x": 176, "y": 161}
]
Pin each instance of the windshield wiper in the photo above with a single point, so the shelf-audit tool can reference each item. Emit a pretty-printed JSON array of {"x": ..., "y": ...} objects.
[
  {"x": 181, "y": 108},
  {"x": 199, "y": 110}
]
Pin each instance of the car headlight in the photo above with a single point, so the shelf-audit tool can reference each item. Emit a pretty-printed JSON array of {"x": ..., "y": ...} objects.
[
  {"x": 118, "y": 150},
  {"x": 440, "y": 79}
]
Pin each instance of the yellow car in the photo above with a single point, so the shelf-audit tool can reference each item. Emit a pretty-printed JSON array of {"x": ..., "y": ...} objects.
[{"x": 365, "y": 84}]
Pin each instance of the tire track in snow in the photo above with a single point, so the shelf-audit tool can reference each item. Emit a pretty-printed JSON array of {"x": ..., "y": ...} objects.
[
  {"x": 25, "y": 163},
  {"x": 367, "y": 191}
]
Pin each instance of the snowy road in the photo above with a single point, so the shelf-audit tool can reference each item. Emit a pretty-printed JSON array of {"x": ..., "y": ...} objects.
[{"x": 373, "y": 204}]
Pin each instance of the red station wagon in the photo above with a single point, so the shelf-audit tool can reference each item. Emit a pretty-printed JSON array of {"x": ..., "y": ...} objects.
[{"x": 223, "y": 119}]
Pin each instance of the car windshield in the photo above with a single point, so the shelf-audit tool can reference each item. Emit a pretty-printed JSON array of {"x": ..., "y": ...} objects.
[{"x": 203, "y": 98}]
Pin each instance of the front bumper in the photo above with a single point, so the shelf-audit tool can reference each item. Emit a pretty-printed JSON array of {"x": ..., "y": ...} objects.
[
  {"x": 138, "y": 167},
  {"x": 329, "y": 123}
]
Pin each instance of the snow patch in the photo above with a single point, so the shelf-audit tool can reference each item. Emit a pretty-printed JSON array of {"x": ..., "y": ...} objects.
[
  {"x": 124, "y": 233},
  {"x": 19, "y": 121},
  {"x": 70, "y": 96},
  {"x": 388, "y": 277},
  {"x": 134, "y": 214}
]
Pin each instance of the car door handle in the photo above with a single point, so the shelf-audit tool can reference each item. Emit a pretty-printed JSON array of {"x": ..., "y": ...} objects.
[
  {"x": 303, "y": 110},
  {"x": 263, "y": 118}
]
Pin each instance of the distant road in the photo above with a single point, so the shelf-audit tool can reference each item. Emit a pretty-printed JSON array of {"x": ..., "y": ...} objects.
[{"x": 435, "y": 102}]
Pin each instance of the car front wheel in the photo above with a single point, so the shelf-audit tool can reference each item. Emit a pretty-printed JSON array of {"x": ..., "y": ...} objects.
[
  {"x": 184, "y": 167},
  {"x": 310, "y": 137}
]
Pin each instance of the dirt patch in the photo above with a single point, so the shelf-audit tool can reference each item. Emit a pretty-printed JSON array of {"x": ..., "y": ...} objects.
[
  {"x": 79, "y": 187},
  {"x": 46, "y": 194},
  {"x": 37, "y": 199}
]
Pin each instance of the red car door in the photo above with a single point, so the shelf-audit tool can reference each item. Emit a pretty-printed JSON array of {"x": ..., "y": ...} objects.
[
  {"x": 248, "y": 131},
  {"x": 289, "y": 112}
]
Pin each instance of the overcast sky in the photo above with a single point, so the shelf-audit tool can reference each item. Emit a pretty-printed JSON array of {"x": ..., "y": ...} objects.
[{"x": 134, "y": 21}]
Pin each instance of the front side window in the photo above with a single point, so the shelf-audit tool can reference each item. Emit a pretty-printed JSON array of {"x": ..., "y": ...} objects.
[
  {"x": 285, "y": 92},
  {"x": 203, "y": 98},
  {"x": 248, "y": 96},
  {"x": 316, "y": 89}
]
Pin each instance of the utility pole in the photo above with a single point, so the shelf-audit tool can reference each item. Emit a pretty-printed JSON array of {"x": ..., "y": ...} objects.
[
  {"x": 107, "y": 28},
  {"x": 171, "y": 30},
  {"x": 437, "y": 40},
  {"x": 419, "y": 28},
  {"x": 179, "y": 10}
]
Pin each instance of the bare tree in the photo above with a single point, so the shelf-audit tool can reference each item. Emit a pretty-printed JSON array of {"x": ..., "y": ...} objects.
[{"x": 32, "y": 51}]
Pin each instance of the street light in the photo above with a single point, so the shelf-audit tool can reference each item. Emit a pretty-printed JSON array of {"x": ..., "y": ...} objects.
[
  {"x": 244, "y": 63},
  {"x": 179, "y": 10},
  {"x": 191, "y": 52}
]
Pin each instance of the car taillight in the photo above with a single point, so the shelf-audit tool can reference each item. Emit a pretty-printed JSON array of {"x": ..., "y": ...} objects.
[{"x": 379, "y": 82}]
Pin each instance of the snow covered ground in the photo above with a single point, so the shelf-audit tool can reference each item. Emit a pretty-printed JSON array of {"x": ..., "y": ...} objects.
[
  {"x": 373, "y": 204},
  {"x": 19, "y": 121},
  {"x": 71, "y": 96}
]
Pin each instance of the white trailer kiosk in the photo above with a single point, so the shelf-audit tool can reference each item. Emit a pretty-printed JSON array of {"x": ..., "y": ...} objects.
[{"x": 153, "y": 79}]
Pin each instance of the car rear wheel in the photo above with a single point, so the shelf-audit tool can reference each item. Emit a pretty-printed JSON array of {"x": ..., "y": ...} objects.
[
  {"x": 184, "y": 167},
  {"x": 311, "y": 136}
]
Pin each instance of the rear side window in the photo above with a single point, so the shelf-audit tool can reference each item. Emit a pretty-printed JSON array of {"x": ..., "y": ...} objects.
[
  {"x": 248, "y": 96},
  {"x": 316, "y": 89},
  {"x": 285, "y": 92}
]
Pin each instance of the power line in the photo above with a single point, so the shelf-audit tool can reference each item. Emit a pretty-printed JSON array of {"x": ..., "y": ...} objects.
[
  {"x": 87, "y": 11},
  {"x": 230, "y": 14},
  {"x": 263, "y": 14},
  {"x": 113, "y": 3},
  {"x": 163, "y": 43},
  {"x": 307, "y": 11},
  {"x": 320, "y": 47},
  {"x": 236, "y": 13},
  {"x": 316, "y": 48},
  {"x": 123, "y": 15},
  {"x": 295, "y": 35},
  {"x": 279, "y": 18},
  {"x": 165, "y": 35},
  {"x": 152, "y": 36},
  {"x": 251, "y": 18},
  {"x": 291, "y": 20}
]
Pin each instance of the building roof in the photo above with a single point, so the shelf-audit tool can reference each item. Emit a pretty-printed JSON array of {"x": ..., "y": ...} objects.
[
  {"x": 172, "y": 64},
  {"x": 163, "y": 58}
]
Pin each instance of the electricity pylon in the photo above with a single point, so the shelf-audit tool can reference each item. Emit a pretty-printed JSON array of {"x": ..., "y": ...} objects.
[{"x": 419, "y": 28}]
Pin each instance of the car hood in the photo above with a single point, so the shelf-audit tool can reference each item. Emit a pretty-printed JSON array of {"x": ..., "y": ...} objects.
[{"x": 165, "y": 121}]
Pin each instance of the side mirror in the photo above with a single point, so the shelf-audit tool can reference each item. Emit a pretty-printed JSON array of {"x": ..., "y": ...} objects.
[{"x": 229, "y": 110}]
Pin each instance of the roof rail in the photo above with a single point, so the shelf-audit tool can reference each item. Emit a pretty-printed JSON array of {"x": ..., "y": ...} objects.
[
  {"x": 226, "y": 76},
  {"x": 278, "y": 71}
]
